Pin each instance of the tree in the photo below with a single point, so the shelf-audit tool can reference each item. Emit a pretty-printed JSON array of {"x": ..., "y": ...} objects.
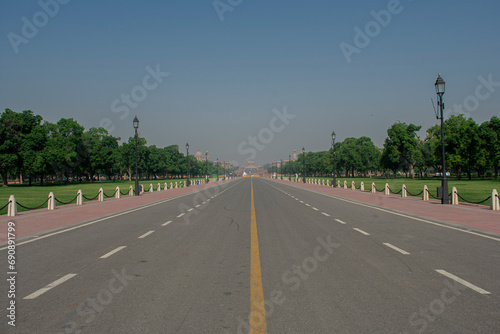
[
  {"x": 402, "y": 145},
  {"x": 489, "y": 132},
  {"x": 101, "y": 152}
]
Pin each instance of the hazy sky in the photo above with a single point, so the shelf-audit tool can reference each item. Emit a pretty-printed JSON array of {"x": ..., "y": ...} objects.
[{"x": 354, "y": 67}]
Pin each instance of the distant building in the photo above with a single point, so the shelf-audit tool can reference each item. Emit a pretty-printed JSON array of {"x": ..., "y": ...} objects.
[{"x": 199, "y": 156}]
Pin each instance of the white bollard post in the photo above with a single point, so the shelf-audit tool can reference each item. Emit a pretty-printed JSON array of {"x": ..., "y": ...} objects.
[
  {"x": 131, "y": 191},
  {"x": 425, "y": 193},
  {"x": 176, "y": 185},
  {"x": 142, "y": 189},
  {"x": 12, "y": 207},
  {"x": 165, "y": 188},
  {"x": 454, "y": 196},
  {"x": 345, "y": 184},
  {"x": 151, "y": 188},
  {"x": 386, "y": 189},
  {"x": 117, "y": 192},
  {"x": 159, "y": 187},
  {"x": 374, "y": 189},
  {"x": 79, "y": 197},
  {"x": 403, "y": 191},
  {"x": 338, "y": 184},
  {"x": 51, "y": 205},
  {"x": 100, "y": 198},
  {"x": 495, "y": 202},
  {"x": 353, "y": 186},
  {"x": 362, "y": 186}
]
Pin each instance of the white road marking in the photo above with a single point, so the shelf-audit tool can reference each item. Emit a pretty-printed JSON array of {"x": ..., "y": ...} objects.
[
  {"x": 463, "y": 282},
  {"x": 360, "y": 231},
  {"x": 180, "y": 215},
  {"x": 302, "y": 202},
  {"x": 396, "y": 248},
  {"x": 314, "y": 208},
  {"x": 116, "y": 250},
  {"x": 340, "y": 221},
  {"x": 166, "y": 223},
  {"x": 308, "y": 204},
  {"x": 197, "y": 206},
  {"x": 112, "y": 216},
  {"x": 190, "y": 210},
  {"x": 145, "y": 235},
  {"x": 325, "y": 214},
  {"x": 395, "y": 213},
  {"x": 50, "y": 286}
]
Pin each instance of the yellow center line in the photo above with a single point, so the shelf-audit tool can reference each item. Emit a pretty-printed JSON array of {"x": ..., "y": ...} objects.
[{"x": 257, "y": 319}]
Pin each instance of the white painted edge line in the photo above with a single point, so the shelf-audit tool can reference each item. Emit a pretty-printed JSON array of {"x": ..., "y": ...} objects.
[
  {"x": 325, "y": 214},
  {"x": 314, "y": 208},
  {"x": 360, "y": 231},
  {"x": 180, "y": 215},
  {"x": 145, "y": 235},
  {"x": 116, "y": 250},
  {"x": 108, "y": 217},
  {"x": 397, "y": 249},
  {"x": 340, "y": 221},
  {"x": 395, "y": 213},
  {"x": 49, "y": 286},
  {"x": 166, "y": 223},
  {"x": 463, "y": 282}
]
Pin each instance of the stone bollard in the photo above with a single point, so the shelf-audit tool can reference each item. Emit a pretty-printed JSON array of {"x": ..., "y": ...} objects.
[
  {"x": 142, "y": 189},
  {"x": 158, "y": 188},
  {"x": 338, "y": 184},
  {"x": 151, "y": 188},
  {"x": 495, "y": 202},
  {"x": 100, "y": 198},
  {"x": 176, "y": 185},
  {"x": 12, "y": 207},
  {"x": 323, "y": 182},
  {"x": 454, "y": 196},
  {"x": 362, "y": 186},
  {"x": 131, "y": 191},
  {"x": 404, "y": 193},
  {"x": 345, "y": 184},
  {"x": 117, "y": 192},
  {"x": 51, "y": 205},
  {"x": 353, "y": 186},
  {"x": 386, "y": 189},
  {"x": 166, "y": 187},
  {"x": 374, "y": 189},
  {"x": 425, "y": 194},
  {"x": 171, "y": 185},
  {"x": 327, "y": 183},
  {"x": 79, "y": 197}
]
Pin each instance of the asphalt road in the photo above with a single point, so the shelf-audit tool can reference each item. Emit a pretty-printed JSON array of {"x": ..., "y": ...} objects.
[{"x": 259, "y": 256}]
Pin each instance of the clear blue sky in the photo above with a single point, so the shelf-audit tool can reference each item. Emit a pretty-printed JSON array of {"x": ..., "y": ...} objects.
[{"x": 226, "y": 76}]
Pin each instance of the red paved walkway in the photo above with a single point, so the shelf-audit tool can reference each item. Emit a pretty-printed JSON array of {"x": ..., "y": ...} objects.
[
  {"x": 479, "y": 217},
  {"x": 36, "y": 221}
]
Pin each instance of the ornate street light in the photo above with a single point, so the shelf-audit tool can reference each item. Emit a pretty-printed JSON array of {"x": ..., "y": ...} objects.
[
  {"x": 334, "y": 184},
  {"x": 217, "y": 169},
  {"x": 288, "y": 168},
  {"x": 281, "y": 169},
  {"x": 206, "y": 167},
  {"x": 187, "y": 164},
  {"x": 136, "y": 126},
  {"x": 440, "y": 85},
  {"x": 304, "y": 165}
]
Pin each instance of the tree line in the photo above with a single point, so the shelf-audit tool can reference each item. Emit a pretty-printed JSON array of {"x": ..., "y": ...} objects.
[
  {"x": 469, "y": 147},
  {"x": 40, "y": 150}
]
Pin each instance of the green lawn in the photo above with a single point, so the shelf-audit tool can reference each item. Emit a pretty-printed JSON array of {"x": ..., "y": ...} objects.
[
  {"x": 36, "y": 195},
  {"x": 474, "y": 191}
]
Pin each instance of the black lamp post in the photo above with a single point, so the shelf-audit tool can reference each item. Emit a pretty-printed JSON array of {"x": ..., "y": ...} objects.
[
  {"x": 206, "y": 166},
  {"x": 136, "y": 126},
  {"x": 439, "y": 85},
  {"x": 304, "y": 165},
  {"x": 288, "y": 168},
  {"x": 187, "y": 164},
  {"x": 334, "y": 184},
  {"x": 281, "y": 169},
  {"x": 217, "y": 169}
]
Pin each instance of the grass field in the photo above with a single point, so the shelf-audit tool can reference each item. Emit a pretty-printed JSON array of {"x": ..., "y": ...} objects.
[
  {"x": 36, "y": 195},
  {"x": 473, "y": 191}
]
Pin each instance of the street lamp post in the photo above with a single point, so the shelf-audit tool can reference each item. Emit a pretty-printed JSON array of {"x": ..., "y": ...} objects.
[
  {"x": 304, "y": 165},
  {"x": 136, "y": 126},
  {"x": 187, "y": 164},
  {"x": 206, "y": 167},
  {"x": 217, "y": 169},
  {"x": 334, "y": 184},
  {"x": 440, "y": 85},
  {"x": 281, "y": 169},
  {"x": 288, "y": 168}
]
